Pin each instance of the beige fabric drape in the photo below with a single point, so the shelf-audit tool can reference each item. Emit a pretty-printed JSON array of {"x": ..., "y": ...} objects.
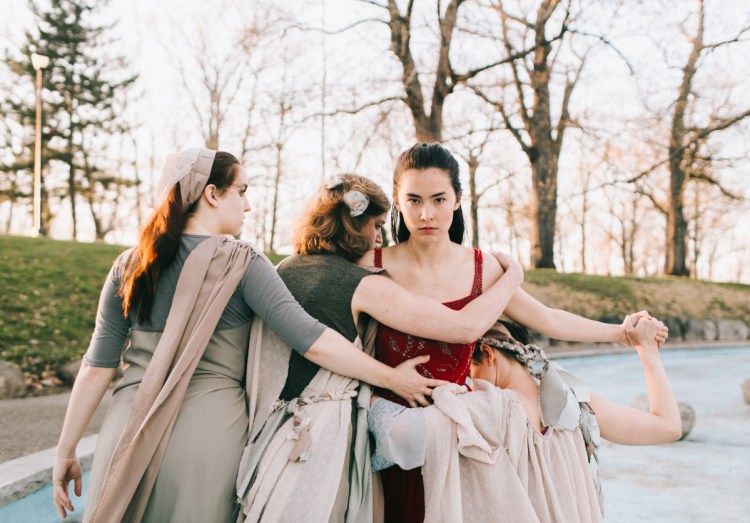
[
  {"x": 209, "y": 277},
  {"x": 308, "y": 459},
  {"x": 485, "y": 462}
]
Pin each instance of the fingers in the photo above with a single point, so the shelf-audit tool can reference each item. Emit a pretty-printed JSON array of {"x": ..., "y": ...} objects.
[
  {"x": 432, "y": 383},
  {"x": 629, "y": 323},
  {"x": 78, "y": 485},
  {"x": 62, "y": 501},
  {"x": 419, "y": 360},
  {"x": 421, "y": 400}
]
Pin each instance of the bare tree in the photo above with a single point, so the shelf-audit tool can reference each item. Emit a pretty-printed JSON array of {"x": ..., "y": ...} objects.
[
  {"x": 428, "y": 122},
  {"x": 529, "y": 115},
  {"x": 471, "y": 147},
  {"x": 687, "y": 157},
  {"x": 219, "y": 79}
]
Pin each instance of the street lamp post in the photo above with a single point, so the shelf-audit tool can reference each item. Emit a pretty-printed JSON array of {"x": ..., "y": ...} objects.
[{"x": 39, "y": 62}]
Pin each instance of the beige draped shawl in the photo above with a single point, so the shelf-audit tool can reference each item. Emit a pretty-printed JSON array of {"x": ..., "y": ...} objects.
[
  {"x": 302, "y": 462},
  {"x": 209, "y": 277},
  {"x": 485, "y": 462}
]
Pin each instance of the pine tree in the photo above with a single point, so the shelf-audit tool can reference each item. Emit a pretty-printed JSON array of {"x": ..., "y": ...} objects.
[{"x": 84, "y": 88}]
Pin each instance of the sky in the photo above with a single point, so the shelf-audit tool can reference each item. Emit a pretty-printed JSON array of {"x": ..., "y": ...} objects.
[{"x": 157, "y": 37}]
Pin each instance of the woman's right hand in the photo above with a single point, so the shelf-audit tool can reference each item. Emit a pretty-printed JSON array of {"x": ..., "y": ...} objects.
[
  {"x": 510, "y": 266},
  {"x": 411, "y": 385},
  {"x": 66, "y": 469}
]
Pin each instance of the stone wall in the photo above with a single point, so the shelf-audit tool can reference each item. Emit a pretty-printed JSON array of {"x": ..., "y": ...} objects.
[{"x": 681, "y": 330}]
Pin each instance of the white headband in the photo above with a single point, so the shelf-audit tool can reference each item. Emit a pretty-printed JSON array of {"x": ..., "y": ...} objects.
[{"x": 190, "y": 168}]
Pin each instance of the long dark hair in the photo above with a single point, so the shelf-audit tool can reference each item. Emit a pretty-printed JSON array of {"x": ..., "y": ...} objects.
[
  {"x": 160, "y": 238},
  {"x": 426, "y": 156}
]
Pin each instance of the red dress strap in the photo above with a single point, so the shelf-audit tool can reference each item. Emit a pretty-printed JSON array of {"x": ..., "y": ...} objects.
[
  {"x": 476, "y": 288},
  {"x": 378, "y": 258}
]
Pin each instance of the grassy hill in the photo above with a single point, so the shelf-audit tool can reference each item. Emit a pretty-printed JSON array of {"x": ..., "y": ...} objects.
[{"x": 50, "y": 291}]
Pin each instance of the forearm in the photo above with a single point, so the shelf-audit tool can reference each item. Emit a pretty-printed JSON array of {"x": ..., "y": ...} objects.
[
  {"x": 88, "y": 390},
  {"x": 559, "y": 324},
  {"x": 482, "y": 313},
  {"x": 333, "y": 352},
  {"x": 567, "y": 326},
  {"x": 661, "y": 399}
]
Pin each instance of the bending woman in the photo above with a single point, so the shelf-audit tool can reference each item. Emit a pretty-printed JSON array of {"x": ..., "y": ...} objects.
[
  {"x": 314, "y": 443},
  {"x": 170, "y": 444},
  {"x": 428, "y": 226},
  {"x": 522, "y": 446}
]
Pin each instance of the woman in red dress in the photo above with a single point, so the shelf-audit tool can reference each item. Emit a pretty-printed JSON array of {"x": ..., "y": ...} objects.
[{"x": 428, "y": 226}]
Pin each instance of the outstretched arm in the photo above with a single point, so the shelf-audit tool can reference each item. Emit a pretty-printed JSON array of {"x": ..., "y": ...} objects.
[
  {"x": 629, "y": 426},
  {"x": 393, "y": 305},
  {"x": 563, "y": 325}
]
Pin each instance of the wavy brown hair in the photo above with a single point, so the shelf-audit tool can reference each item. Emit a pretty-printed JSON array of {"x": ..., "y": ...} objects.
[
  {"x": 160, "y": 238},
  {"x": 326, "y": 227}
]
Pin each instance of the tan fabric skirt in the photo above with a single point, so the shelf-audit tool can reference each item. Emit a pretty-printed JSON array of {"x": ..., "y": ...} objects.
[{"x": 196, "y": 481}]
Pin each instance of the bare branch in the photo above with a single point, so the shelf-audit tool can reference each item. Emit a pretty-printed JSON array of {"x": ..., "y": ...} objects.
[
  {"x": 565, "y": 120},
  {"x": 514, "y": 68},
  {"x": 737, "y": 38},
  {"x": 713, "y": 181},
  {"x": 659, "y": 206},
  {"x": 695, "y": 138},
  {"x": 360, "y": 108},
  {"x": 506, "y": 119},
  {"x": 609, "y": 44},
  {"x": 331, "y": 32},
  {"x": 463, "y": 77},
  {"x": 373, "y": 2}
]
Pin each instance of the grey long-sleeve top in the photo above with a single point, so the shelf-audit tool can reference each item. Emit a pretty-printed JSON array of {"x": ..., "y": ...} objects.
[{"x": 260, "y": 292}]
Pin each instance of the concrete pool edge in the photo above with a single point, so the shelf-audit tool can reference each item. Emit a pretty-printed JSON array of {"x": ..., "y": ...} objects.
[
  {"x": 576, "y": 350},
  {"x": 22, "y": 476}
]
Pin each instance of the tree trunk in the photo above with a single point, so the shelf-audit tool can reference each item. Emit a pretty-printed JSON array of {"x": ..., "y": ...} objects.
[
  {"x": 676, "y": 258},
  {"x": 474, "y": 201},
  {"x": 544, "y": 215},
  {"x": 428, "y": 128},
  {"x": 72, "y": 189},
  {"x": 274, "y": 208},
  {"x": 676, "y": 225},
  {"x": 543, "y": 191}
]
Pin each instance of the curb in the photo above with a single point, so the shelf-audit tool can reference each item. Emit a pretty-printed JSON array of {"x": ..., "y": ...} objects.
[
  {"x": 22, "y": 476},
  {"x": 561, "y": 351}
]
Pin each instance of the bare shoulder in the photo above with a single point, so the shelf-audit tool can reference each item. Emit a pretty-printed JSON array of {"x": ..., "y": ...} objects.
[{"x": 393, "y": 255}]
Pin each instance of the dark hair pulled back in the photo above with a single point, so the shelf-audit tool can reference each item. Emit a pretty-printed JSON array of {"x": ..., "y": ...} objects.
[{"x": 427, "y": 156}]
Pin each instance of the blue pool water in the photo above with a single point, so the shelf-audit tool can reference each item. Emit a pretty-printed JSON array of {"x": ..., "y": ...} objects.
[
  {"x": 704, "y": 478},
  {"x": 39, "y": 508}
]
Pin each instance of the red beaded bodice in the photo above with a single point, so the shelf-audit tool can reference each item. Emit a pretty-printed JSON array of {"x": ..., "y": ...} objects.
[{"x": 448, "y": 361}]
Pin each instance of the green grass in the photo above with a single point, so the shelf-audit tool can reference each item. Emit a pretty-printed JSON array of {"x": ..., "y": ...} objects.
[{"x": 50, "y": 291}]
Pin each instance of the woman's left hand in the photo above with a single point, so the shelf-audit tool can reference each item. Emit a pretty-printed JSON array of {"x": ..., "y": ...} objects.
[
  {"x": 66, "y": 469},
  {"x": 411, "y": 385}
]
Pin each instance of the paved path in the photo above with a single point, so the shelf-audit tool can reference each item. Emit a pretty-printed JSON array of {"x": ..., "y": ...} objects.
[{"x": 33, "y": 424}]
